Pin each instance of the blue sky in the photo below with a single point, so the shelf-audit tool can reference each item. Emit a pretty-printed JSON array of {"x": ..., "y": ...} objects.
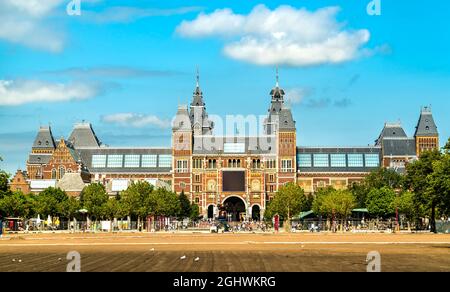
[{"x": 125, "y": 66}]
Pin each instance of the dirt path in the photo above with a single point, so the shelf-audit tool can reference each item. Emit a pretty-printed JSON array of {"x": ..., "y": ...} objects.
[{"x": 226, "y": 252}]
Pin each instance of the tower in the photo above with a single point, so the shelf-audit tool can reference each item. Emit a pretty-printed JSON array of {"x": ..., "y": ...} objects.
[
  {"x": 281, "y": 124},
  {"x": 43, "y": 147},
  {"x": 426, "y": 135},
  {"x": 181, "y": 151},
  {"x": 198, "y": 116}
]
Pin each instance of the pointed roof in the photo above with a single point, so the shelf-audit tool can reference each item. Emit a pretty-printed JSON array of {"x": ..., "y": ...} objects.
[
  {"x": 197, "y": 99},
  {"x": 391, "y": 130},
  {"x": 83, "y": 135},
  {"x": 44, "y": 139},
  {"x": 286, "y": 120},
  {"x": 71, "y": 182},
  {"x": 426, "y": 126},
  {"x": 182, "y": 121}
]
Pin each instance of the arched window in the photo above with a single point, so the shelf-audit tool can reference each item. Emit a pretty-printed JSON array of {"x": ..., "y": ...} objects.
[
  {"x": 53, "y": 173},
  {"x": 180, "y": 140},
  {"x": 62, "y": 170},
  {"x": 238, "y": 163}
]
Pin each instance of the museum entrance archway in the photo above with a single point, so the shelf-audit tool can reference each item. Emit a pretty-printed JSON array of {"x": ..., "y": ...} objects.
[
  {"x": 256, "y": 212},
  {"x": 235, "y": 208},
  {"x": 210, "y": 211}
]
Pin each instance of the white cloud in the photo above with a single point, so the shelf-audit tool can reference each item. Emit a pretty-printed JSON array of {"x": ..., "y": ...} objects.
[
  {"x": 286, "y": 35},
  {"x": 136, "y": 120},
  {"x": 13, "y": 93},
  {"x": 23, "y": 22},
  {"x": 296, "y": 95}
]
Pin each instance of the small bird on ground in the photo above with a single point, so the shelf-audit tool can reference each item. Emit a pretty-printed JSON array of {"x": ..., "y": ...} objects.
[
  {"x": 153, "y": 249},
  {"x": 59, "y": 259},
  {"x": 13, "y": 260},
  {"x": 183, "y": 257},
  {"x": 20, "y": 261},
  {"x": 196, "y": 259}
]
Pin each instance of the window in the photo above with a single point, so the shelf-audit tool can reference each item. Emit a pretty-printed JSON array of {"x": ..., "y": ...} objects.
[
  {"x": 197, "y": 163},
  {"x": 355, "y": 160},
  {"x": 62, "y": 170},
  {"x": 304, "y": 160},
  {"x": 148, "y": 161},
  {"x": 53, "y": 173},
  {"x": 197, "y": 200},
  {"x": 165, "y": 160},
  {"x": 338, "y": 160},
  {"x": 98, "y": 161},
  {"x": 286, "y": 165},
  {"x": 271, "y": 163},
  {"x": 372, "y": 160},
  {"x": 131, "y": 160},
  {"x": 115, "y": 160},
  {"x": 197, "y": 189},
  {"x": 321, "y": 160},
  {"x": 197, "y": 178},
  {"x": 182, "y": 166}
]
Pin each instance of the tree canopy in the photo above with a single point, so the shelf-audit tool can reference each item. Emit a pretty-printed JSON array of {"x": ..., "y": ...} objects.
[{"x": 289, "y": 201}]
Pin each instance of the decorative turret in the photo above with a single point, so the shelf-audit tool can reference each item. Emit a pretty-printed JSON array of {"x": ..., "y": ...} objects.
[
  {"x": 198, "y": 116},
  {"x": 426, "y": 135}
]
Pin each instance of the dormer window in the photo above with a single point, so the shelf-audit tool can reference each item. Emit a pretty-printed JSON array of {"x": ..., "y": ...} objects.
[
  {"x": 39, "y": 143},
  {"x": 427, "y": 128},
  {"x": 46, "y": 143}
]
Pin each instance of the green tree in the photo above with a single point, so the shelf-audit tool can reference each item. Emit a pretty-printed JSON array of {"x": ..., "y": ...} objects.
[
  {"x": 13, "y": 205},
  {"x": 380, "y": 202},
  {"x": 405, "y": 204},
  {"x": 290, "y": 200},
  {"x": 137, "y": 201},
  {"x": 377, "y": 179},
  {"x": 165, "y": 203},
  {"x": 417, "y": 179},
  {"x": 195, "y": 212},
  {"x": 439, "y": 185},
  {"x": 447, "y": 146},
  {"x": 69, "y": 208},
  {"x": 185, "y": 206},
  {"x": 333, "y": 203},
  {"x": 48, "y": 201},
  {"x": 4, "y": 179},
  {"x": 93, "y": 197}
]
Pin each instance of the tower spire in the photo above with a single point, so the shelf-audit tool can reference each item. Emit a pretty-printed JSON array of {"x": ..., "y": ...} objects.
[
  {"x": 277, "y": 84},
  {"x": 198, "y": 78}
]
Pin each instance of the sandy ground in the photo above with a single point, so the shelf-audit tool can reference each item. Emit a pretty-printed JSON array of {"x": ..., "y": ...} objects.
[{"x": 225, "y": 252}]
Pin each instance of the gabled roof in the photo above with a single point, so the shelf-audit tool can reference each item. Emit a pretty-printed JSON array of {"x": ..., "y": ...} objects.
[
  {"x": 391, "y": 130},
  {"x": 71, "y": 182},
  {"x": 83, "y": 135},
  {"x": 44, "y": 139},
  {"x": 182, "y": 121},
  {"x": 286, "y": 120},
  {"x": 425, "y": 125},
  {"x": 39, "y": 158},
  {"x": 399, "y": 147}
]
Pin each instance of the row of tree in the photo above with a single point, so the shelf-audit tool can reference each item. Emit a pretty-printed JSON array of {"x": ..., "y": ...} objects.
[
  {"x": 138, "y": 201},
  {"x": 422, "y": 192}
]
